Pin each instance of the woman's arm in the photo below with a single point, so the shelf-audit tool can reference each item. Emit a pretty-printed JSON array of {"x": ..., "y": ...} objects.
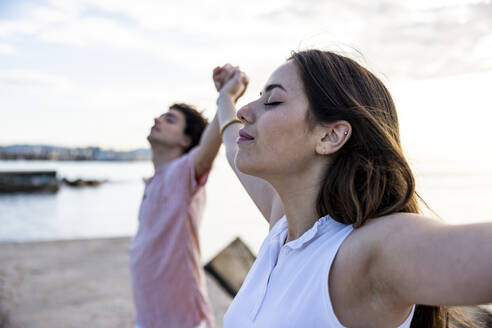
[
  {"x": 231, "y": 89},
  {"x": 422, "y": 261}
]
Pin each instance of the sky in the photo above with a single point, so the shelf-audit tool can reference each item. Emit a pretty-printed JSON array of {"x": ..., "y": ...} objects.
[{"x": 96, "y": 72}]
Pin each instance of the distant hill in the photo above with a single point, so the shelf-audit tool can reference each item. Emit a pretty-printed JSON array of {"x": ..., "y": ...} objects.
[{"x": 50, "y": 152}]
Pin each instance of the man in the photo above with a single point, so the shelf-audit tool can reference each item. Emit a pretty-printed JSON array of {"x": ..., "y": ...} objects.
[{"x": 167, "y": 276}]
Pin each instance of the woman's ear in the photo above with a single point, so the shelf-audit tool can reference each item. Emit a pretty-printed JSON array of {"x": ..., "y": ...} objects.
[{"x": 332, "y": 137}]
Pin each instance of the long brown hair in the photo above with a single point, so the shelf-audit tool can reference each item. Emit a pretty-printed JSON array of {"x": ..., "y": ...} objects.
[{"x": 369, "y": 176}]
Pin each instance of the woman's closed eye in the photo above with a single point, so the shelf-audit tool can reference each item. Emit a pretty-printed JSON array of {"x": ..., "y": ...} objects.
[{"x": 272, "y": 103}]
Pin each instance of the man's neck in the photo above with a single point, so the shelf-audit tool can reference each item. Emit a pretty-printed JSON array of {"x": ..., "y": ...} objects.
[{"x": 161, "y": 155}]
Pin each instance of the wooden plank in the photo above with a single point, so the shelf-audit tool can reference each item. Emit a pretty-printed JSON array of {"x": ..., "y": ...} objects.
[{"x": 231, "y": 266}]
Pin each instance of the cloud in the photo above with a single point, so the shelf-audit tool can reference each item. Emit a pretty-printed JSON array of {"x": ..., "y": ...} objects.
[
  {"x": 33, "y": 79},
  {"x": 6, "y": 49},
  {"x": 407, "y": 38},
  {"x": 426, "y": 4}
]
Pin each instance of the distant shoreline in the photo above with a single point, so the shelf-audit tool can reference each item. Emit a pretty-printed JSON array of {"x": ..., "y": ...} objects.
[
  {"x": 50, "y": 152},
  {"x": 70, "y": 160}
]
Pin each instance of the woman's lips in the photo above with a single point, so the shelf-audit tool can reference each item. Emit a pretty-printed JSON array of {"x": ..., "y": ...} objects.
[
  {"x": 241, "y": 139},
  {"x": 155, "y": 127},
  {"x": 244, "y": 136}
]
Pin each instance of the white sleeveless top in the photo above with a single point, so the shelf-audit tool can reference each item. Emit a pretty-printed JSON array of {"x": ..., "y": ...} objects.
[{"x": 287, "y": 286}]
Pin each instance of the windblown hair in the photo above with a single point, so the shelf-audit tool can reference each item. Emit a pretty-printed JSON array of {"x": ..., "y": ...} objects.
[
  {"x": 369, "y": 176},
  {"x": 195, "y": 123}
]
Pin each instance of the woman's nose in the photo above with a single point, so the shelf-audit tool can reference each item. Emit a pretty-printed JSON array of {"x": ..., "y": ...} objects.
[{"x": 246, "y": 114}]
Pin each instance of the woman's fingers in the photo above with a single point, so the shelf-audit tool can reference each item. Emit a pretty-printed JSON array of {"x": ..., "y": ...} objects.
[
  {"x": 229, "y": 74},
  {"x": 228, "y": 67},
  {"x": 243, "y": 80}
]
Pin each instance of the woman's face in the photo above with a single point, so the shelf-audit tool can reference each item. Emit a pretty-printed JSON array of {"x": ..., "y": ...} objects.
[{"x": 276, "y": 138}]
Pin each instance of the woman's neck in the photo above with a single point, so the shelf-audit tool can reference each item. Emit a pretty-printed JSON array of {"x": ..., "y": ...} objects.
[{"x": 299, "y": 194}]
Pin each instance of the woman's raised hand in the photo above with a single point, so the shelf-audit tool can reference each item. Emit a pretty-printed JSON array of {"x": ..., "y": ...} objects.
[{"x": 230, "y": 81}]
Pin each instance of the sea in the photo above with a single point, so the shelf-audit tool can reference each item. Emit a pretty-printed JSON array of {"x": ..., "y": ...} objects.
[{"x": 457, "y": 188}]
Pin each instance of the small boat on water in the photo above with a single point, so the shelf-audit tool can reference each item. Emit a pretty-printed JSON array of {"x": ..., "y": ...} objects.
[
  {"x": 83, "y": 182},
  {"x": 29, "y": 181}
]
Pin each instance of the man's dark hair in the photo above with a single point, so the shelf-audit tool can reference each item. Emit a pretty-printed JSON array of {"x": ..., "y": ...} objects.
[{"x": 195, "y": 123}]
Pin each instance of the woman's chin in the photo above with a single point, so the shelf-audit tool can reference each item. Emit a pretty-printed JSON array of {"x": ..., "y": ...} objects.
[{"x": 244, "y": 165}]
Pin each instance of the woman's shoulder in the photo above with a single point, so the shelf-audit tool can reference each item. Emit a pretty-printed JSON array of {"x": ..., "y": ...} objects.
[
  {"x": 382, "y": 232},
  {"x": 395, "y": 223},
  {"x": 358, "y": 252}
]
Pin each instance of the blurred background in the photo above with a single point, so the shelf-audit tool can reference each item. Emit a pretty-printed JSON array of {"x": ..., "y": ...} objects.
[
  {"x": 81, "y": 81},
  {"x": 80, "y": 84}
]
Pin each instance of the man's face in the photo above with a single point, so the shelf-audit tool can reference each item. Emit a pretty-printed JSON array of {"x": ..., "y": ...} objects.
[{"x": 168, "y": 130}]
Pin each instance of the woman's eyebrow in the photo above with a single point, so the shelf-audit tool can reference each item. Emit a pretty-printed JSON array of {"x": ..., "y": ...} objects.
[{"x": 270, "y": 87}]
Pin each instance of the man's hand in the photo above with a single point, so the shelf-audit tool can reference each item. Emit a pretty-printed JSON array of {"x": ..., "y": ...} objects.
[{"x": 221, "y": 75}]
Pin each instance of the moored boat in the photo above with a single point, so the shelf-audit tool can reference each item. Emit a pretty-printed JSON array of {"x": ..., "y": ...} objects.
[{"x": 29, "y": 181}]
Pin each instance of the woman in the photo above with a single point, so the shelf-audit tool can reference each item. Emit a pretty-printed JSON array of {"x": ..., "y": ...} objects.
[{"x": 320, "y": 156}]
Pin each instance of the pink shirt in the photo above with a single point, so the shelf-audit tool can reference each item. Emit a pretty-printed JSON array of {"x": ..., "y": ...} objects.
[{"x": 167, "y": 276}]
